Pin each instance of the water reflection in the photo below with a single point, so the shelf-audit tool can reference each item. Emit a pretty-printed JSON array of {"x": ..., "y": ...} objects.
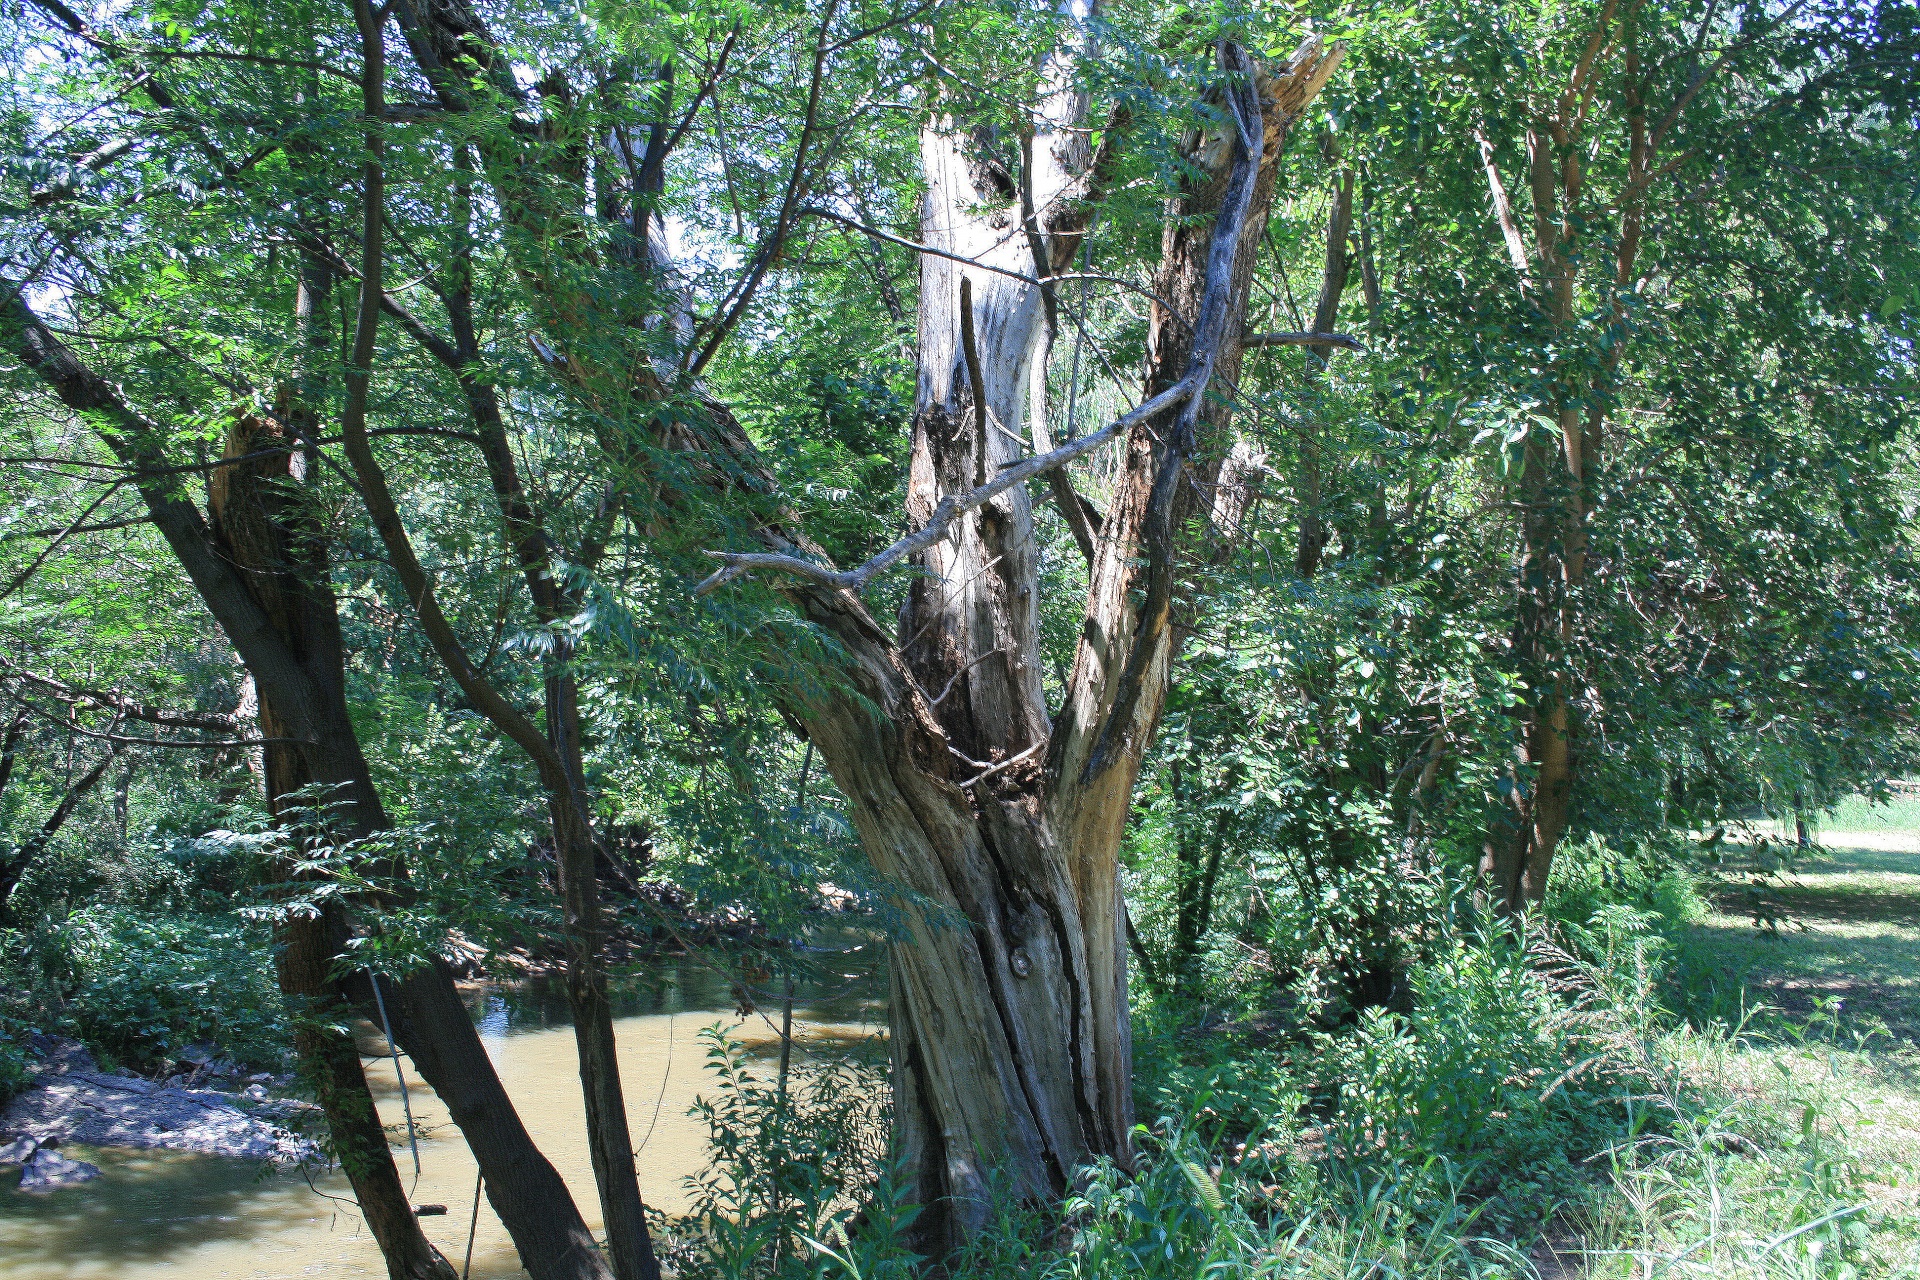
[{"x": 158, "y": 1213}]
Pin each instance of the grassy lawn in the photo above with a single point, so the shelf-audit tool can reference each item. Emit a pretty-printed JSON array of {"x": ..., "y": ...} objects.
[
  {"x": 1844, "y": 949},
  {"x": 1831, "y": 991}
]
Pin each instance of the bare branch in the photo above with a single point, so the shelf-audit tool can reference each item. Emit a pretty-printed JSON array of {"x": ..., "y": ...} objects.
[
  {"x": 123, "y": 706},
  {"x": 1341, "y": 340},
  {"x": 934, "y": 702},
  {"x": 1008, "y": 763},
  {"x": 20, "y": 579},
  {"x": 1021, "y": 276},
  {"x": 1503, "y": 210},
  {"x": 736, "y": 563},
  {"x": 65, "y": 530},
  {"x": 776, "y": 241},
  {"x": 122, "y": 740}
]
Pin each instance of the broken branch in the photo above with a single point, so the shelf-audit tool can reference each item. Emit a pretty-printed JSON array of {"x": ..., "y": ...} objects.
[
  {"x": 1346, "y": 341},
  {"x": 736, "y": 563}
]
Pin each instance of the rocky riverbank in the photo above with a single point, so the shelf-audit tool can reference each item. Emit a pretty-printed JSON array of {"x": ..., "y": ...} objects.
[{"x": 69, "y": 1100}]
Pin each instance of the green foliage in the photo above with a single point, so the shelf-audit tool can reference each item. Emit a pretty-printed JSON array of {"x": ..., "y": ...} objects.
[
  {"x": 1353, "y": 1075},
  {"x": 1529, "y": 1088},
  {"x": 1651, "y": 874},
  {"x": 138, "y": 988},
  {"x": 1467, "y": 1089},
  {"x": 16, "y": 1024},
  {"x": 791, "y": 1162}
]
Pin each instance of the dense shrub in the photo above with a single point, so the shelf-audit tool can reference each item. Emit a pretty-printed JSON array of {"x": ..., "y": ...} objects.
[{"x": 139, "y": 987}]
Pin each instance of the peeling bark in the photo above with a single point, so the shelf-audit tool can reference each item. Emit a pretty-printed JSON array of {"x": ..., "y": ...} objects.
[{"x": 1011, "y": 1029}]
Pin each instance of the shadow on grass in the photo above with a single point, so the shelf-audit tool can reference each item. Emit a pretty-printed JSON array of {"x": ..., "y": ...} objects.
[{"x": 1846, "y": 955}]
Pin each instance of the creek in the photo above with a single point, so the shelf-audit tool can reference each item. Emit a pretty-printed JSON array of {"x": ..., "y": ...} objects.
[{"x": 168, "y": 1214}]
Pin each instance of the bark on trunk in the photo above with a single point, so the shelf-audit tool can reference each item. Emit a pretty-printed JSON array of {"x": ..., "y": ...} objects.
[
  {"x": 1012, "y": 1044},
  {"x": 1010, "y": 1026},
  {"x": 271, "y": 542},
  {"x": 431, "y": 1021}
]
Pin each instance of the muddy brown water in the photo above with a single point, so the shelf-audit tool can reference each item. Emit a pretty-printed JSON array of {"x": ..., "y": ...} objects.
[{"x": 158, "y": 1214}]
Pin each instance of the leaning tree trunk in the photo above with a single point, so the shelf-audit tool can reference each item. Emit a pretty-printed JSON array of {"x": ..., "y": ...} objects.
[
  {"x": 267, "y": 537},
  {"x": 430, "y": 1020}
]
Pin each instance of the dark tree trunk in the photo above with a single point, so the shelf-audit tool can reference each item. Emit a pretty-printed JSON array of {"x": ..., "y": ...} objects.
[
  {"x": 431, "y": 1021},
  {"x": 268, "y": 536},
  {"x": 22, "y": 859}
]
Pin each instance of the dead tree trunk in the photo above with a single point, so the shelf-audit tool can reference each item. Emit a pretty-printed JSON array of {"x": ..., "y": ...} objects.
[
  {"x": 1011, "y": 1035},
  {"x": 1003, "y": 822}
]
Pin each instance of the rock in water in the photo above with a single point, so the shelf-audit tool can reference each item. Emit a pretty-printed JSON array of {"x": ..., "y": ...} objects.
[
  {"x": 49, "y": 1171},
  {"x": 73, "y": 1102},
  {"x": 20, "y": 1150},
  {"x": 116, "y": 1111}
]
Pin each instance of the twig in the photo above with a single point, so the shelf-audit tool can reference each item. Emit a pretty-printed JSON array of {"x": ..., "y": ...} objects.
[
  {"x": 934, "y": 702},
  {"x": 1008, "y": 272},
  {"x": 1008, "y": 763},
  {"x": 20, "y": 579},
  {"x": 1302, "y": 340}
]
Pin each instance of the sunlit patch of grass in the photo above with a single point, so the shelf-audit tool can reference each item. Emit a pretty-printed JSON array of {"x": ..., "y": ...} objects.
[
  {"x": 1857, "y": 813},
  {"x": 1844, "y": 946}
]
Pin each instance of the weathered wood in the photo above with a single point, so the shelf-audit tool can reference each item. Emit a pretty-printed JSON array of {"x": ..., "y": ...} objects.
[{"x": 1012, "y": 1048}]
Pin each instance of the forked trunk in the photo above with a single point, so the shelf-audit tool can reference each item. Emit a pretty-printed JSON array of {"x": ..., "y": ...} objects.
[
  {"x": 1011, "y": 1036},
  {"x": 1000, "y": 826}
]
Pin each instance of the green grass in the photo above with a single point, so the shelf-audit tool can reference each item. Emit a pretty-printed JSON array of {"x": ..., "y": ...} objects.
[
  {"x": 1856, "y": 813},
  {"x": 1843, "y": 955},
  {"x": 1833, "y": 990}
]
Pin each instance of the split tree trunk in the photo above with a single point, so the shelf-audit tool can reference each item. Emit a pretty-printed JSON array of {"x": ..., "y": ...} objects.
[
  {"x": 1011, "y": 1033},
  {"x": 1010, "y": 1017}
]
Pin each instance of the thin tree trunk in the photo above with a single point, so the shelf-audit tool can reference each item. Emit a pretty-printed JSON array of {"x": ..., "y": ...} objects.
[
  {"x": 609, "y": 1144},
  {"x": 431, "y": 1021},
  {"x": 1326, "y": 319},
  {"x": 23, "y": 858},
  {"x": 556, "y": 753}
]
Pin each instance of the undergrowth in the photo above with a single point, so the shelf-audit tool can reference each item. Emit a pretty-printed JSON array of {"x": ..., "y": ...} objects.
[{"x": 1538, "y": 1107}]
